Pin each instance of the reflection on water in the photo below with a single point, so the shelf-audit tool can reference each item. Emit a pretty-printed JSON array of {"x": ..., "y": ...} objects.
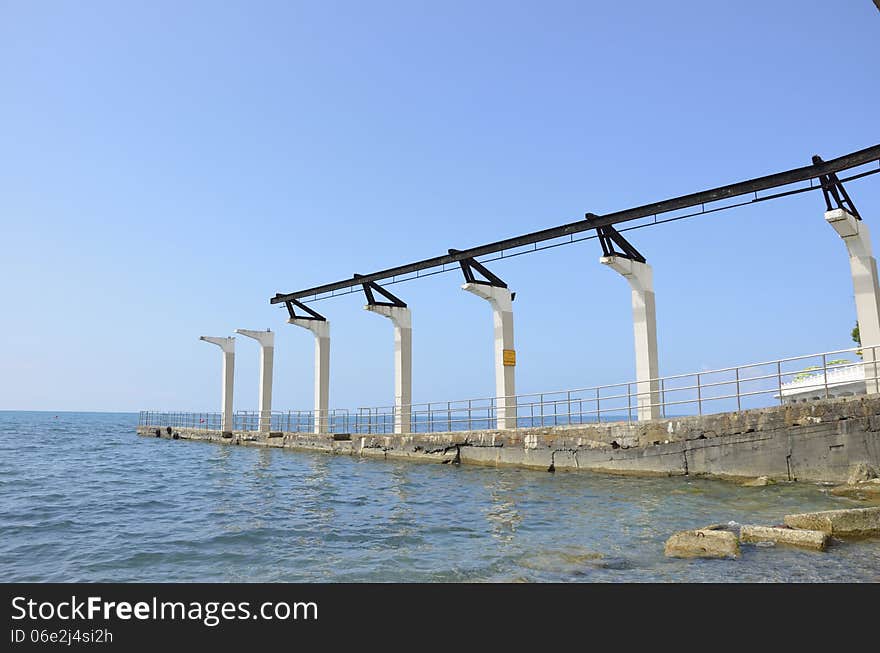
[
  {"x": 502, "y": 513},
  {"x": 314, "y": 493},
  {"x": 87, "y": 500}
]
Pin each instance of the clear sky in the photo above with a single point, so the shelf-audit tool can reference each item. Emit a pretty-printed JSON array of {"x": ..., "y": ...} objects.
[{"x": 166, "y": 167}]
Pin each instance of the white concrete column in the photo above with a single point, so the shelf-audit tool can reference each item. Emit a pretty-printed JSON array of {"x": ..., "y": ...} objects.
[
  {"x": 863, "y": 266},
  {"x": 228, "y": 347},
  {"x": 401, "y": 317},
  {"x": 501, "y": 300},
  {"x": 641, "y": 281},
  {"x": 321, "y": 331},
  {"x": 267, "y": 351}
]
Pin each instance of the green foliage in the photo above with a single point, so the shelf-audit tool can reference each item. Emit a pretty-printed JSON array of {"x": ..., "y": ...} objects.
[
  {"x": 806, "y": 373},
  {"x": 856, "y": 335}
]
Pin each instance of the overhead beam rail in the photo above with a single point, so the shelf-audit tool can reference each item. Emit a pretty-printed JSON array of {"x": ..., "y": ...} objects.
[{"x": 823, "y": 171}]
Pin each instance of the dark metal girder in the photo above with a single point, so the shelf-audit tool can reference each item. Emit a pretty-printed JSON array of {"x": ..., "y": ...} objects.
[
  {"x": 371, "y": 286},
  {"x": 311, "y": 313},
  {"x": 468, "y": 265},
  {"x": 832, "y": 188},
  {"x": 806, "y": 173},
  {"x": 609, "y": 237}
]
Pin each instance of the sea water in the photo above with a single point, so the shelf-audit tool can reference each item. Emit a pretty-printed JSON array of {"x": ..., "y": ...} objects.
[{"x": 82, "y": 498}]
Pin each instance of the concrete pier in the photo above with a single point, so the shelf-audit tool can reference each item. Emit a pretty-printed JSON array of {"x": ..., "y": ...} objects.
[
  {"x": 641, "y": 281},
  {"x": 863, "y": 266},
  {"x": 320, "y": 328},
  {"x": 501, "y": 300},
  {"x": 401, "y": 318},
  {"x": 267, "y": 349},
  {"x": 227, "y": 345},
  {"x": 817, "y": 441}
]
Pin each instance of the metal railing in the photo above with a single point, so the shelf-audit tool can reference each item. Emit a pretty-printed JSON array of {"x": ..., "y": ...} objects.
[
  {"x": 293, "y": 421},
  {"x": 756, "y": 385},
  {"x": 196, "y": 421}
]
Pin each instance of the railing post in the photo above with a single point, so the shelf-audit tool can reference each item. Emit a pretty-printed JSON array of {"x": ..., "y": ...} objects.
[
  {"x": 699, "y": 396},
  {"x": 779, "y": 380},
  {"x": 874, "y": 356},
  {"x": 738, "y": 398},
  {"x": 663, "y": 396},
  {"x": 541, "y": 404},
  {"x": 825, "y": 373},
  {"x": 629, "y": 409}
]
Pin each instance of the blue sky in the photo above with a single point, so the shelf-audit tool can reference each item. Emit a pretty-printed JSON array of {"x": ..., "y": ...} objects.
[{"x": 168, "y": 166}]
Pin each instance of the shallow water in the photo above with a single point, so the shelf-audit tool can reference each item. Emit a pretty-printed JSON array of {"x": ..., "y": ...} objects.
[{"x": 82, "y": 498}]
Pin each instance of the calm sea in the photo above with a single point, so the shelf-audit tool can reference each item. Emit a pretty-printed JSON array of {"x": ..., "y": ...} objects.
[{"x": 85, "y": 499}]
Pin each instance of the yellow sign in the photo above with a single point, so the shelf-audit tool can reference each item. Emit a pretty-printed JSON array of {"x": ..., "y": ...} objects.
[{"x": 509, "y": 358}]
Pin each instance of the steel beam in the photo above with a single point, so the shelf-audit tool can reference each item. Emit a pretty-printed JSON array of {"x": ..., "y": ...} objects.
[{"x": 592, "y": 221}]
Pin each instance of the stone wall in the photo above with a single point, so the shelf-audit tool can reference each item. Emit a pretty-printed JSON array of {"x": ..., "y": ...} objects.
[{"x": 814, "y": 441}]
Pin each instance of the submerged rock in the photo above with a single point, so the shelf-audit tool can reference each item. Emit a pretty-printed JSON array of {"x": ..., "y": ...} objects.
[
  {"x": 702, "y": 543},
  {"x": 817, "y": 540},
  {"x": 864, "y": 491},
  {"x": 562, "y": 559},
  {"x": 761, "y": 481},
  {"x": 853, "y": 522},
  {"x": 861, "y": 472}
]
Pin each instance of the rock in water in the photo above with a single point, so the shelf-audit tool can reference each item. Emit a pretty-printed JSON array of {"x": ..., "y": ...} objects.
[
  {"x": 702, "y": 543},
  {"x": 861, "y": 472},
  {"x": 807, "y": 539},
  {"x": 864, "y": 491},
  {"x": 852, "y": 522}
]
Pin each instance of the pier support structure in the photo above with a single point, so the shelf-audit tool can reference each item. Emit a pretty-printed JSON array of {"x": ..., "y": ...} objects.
[
  {"x": 843, "y": 216},
  {"x": 632, "y": 266},
  {"x": 863, "y": 266},
  {"x": 496, "y": 292},
  {"x": 401, "y": 317},
  {"x": 267, "y": 350},
  {"x": 228, "y": 347},
  {"x": 320, "y": 327}
]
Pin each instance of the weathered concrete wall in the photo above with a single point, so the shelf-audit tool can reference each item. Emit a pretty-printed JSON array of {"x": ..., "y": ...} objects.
[{"x": 815, "y": 441}]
